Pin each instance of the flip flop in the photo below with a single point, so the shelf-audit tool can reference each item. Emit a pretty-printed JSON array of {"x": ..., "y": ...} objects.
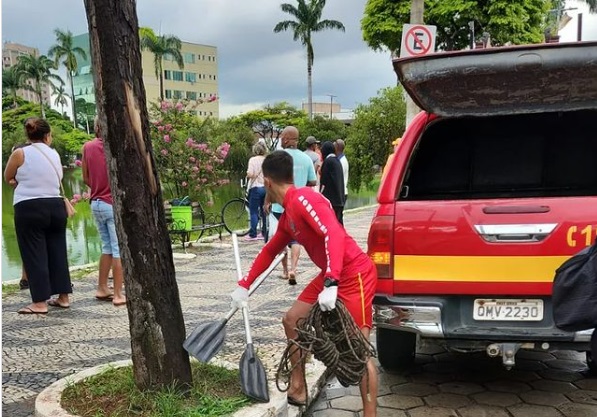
[
  {"x": 295, "y": 402},
  {"x": 28, "y": 310},
  {"x": 122, "y": 303},
  {"x": 104, "y": 297},
  {"x": 55, "y": 303}
]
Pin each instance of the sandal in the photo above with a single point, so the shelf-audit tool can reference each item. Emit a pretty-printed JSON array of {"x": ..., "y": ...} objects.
[
  {"x": 55, "y": 303},
  {"x": 295, "y": 402},
  {"x": 29, "y": 310}
]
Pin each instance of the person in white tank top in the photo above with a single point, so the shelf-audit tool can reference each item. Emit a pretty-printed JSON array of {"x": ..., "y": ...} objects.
[{"x": 40, "y": 218}]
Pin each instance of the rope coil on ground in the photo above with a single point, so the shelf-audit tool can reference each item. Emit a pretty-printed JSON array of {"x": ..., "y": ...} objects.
[{"x": 334, "y": 339}]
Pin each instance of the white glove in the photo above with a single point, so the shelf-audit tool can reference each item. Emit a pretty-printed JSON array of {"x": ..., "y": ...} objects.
[
  {"x": 327, "y": 298},
  {"x": 240, "y": 297}
]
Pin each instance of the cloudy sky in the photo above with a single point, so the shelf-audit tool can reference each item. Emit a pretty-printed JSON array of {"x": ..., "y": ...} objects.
[{"x": 256, "y": 66}]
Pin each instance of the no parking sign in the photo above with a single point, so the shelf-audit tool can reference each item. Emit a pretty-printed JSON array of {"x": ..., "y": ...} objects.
[{"x": 417, "y": 40}]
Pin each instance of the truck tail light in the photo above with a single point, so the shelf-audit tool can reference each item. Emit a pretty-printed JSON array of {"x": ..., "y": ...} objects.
[{"x": 380, "y": 244}]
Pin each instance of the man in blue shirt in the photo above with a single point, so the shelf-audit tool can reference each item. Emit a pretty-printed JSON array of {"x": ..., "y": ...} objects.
[{"x": 304, "y": 175}]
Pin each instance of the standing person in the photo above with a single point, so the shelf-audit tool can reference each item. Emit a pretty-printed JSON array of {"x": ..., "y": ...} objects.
[
  {"x": 332, "y": 180},
  {"x": 346, "y": 273},
  {"x": 40, "y": 218},
  {"x": 304, "y": 175},
  {"x": 95, "y": 175},
  {"x": 311, "y": 151},
  {"x": 23, "y": 282},
  {"x": 256, "y": 192},
  {"x": 339, "y": 145}
]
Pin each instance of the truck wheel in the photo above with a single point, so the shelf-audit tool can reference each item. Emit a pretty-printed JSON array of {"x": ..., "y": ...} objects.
[
  {"x": 592, "y": 354},
  {"x": 396, "y": 349}
]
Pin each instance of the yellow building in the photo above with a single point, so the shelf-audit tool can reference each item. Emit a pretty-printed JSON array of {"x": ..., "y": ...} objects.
[
  {"x": 10, "y": 57},
  {"x": 198, "y": 80}
]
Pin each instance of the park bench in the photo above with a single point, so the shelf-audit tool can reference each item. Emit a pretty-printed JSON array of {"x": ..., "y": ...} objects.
[{"x": 202, "y": 221}]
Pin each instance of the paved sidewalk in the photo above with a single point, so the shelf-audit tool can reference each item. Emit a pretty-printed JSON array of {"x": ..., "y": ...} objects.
[{"x": 37, "y": 351}]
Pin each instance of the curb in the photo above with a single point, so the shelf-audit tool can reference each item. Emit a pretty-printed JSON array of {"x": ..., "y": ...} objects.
[{"x": 47, "y": 402}]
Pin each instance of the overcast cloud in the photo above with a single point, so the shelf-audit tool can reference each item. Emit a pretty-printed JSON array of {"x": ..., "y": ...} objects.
[{"x": 256, "y": 66}]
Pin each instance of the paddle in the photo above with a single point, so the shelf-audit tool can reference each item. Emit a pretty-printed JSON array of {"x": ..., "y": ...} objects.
[
  {"x": 253, "y": 379},
  {"x": 208, "y": 338}
]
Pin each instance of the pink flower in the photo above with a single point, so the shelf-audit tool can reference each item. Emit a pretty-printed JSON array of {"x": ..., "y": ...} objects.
[
  {"x": 73, "y": 201},
  {"x": 190, "y": 142},
  {"x": 78, "y": 162},
  {"x": 195, "y": 169},
  {"x": 86, "y": 196},
  {"x": 160, "y": 128},
  {"x": 165, "y": 105},
  {"x": 167, "y": 138},
  {"x": 179, "y": 106},
  {"x": 168, "y": 127},
  {"x": 164, "y": 152},
  {"x": 184, "y": 184},
  {"x": 192, "y": 159},
  {"x": 212, "y": 98},
  {"x": 77, "y": 197}
]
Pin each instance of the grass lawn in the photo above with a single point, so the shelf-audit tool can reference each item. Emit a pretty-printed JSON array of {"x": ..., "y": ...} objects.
[
  {"x": 9, "y": 289},
  {"x": 215, "y": 392}
]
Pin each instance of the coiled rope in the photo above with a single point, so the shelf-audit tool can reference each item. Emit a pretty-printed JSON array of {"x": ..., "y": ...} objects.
[{"x": 334, "y": 339}]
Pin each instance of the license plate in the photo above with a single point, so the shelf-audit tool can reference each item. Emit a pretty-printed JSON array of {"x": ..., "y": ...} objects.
[{"x": 508, "y": 310}]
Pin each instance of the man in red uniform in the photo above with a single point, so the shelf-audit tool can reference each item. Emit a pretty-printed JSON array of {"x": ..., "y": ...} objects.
[
  {"x": 95, "y": 175},
  {"x": 346, "y": 271}
]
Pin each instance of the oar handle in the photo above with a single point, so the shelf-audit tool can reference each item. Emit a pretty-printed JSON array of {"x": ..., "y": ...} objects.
[
  {"x": 247, "y": 327},
  {"x": 258, "y": 281},
  {"x": 239, "y": 274}
]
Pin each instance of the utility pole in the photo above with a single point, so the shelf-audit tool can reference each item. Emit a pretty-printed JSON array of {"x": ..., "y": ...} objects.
[
  {"x": 579, "y": 28},
  {"x": 331, "y": 96},
  {"x": 416, "y": 17}
]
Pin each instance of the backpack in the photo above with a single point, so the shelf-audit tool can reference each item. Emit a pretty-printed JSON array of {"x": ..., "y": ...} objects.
[{"x": 575, "y": 292}]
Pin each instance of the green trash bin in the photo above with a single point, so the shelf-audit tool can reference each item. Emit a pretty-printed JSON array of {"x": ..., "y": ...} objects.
[{"x": 182, "y": 218}]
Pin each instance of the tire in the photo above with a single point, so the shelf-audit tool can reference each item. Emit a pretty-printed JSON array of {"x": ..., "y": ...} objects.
[
  {"x": 592, "y": 364},
  {"x": 396, "y": 349},
  {"x": 235, "y": 216}
]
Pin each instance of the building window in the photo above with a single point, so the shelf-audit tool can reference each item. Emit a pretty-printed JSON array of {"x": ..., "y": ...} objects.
[
  {"x": 177, "y": 75},
  {"x": 203, "y": 58},
  {"x": 168, "y": 74},
  {"x": 189, "y": 58},
  {"x": 177, "y": 94},
  {"x": 211, "y": 113},
  {"x": 190, "y": 77},
  {"x": 168, "y": 93},
  {"x": 191, "y": 95},
  {"x": 214, "y": 77}
]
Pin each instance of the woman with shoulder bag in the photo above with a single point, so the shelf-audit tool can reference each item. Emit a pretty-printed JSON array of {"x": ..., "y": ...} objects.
[{"x": 40, "y": 218}]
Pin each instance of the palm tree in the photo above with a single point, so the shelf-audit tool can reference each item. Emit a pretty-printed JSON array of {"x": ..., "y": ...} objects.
[
  {"x": 160, "y": 45},
  {"x": 39, "y": 69},
  {"x": 64, "y": 48},
  {"x": 307, "y": 20},
  {"x": 13, "y": 80},
  {"x": 61, "y": 97}
]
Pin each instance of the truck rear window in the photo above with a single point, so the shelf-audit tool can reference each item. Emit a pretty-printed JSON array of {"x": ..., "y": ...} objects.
[{"x": 548, "y": 154}]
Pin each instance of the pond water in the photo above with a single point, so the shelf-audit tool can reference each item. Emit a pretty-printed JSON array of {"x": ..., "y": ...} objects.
[{"x": 83, "y": 241}]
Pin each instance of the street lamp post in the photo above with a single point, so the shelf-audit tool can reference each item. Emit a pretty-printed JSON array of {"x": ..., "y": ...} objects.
[{"x": 331, "y": 96}]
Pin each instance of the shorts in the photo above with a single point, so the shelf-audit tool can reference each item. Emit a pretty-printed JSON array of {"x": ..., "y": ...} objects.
[
  {"x": 277, "y": 216},
  {"x": 356, "y": 292},
  {"x": 103, "y": 214}
]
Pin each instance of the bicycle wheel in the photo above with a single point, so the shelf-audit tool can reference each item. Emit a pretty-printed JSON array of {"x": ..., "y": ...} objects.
[{"x": 235, "y": 216}]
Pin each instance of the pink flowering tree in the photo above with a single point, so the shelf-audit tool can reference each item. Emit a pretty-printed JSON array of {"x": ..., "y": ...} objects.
[{"x": 187, "y": 165}]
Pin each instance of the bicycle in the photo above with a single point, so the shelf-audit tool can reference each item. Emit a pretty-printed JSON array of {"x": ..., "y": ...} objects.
[{"x": 236, "y": 215}]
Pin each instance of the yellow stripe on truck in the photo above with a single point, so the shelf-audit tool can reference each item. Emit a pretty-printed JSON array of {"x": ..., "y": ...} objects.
[{"x": 477, "y": 268}]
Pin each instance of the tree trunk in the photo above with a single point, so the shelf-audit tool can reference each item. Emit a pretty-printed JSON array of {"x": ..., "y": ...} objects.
[
  {"x": 41, "y": 106},
  {"x": 310, "y": 87},
  {"x": 155, "y": 315},
  {"x": 72, "y": 95},
  {"x": 161, "y": 82}
]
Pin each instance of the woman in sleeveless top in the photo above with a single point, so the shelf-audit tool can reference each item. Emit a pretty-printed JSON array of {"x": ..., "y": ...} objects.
[
  {"x": 40, "y": 218},
  {"x": 256, "y": 192}
]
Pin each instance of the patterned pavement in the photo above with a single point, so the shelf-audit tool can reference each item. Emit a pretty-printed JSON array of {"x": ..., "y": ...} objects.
[{"x": 37, "y": 351}]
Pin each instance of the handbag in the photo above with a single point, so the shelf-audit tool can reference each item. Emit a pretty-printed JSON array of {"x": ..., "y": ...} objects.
[
  {"x": 70, "y": 209},
  {"x": 575, "y": 292}
]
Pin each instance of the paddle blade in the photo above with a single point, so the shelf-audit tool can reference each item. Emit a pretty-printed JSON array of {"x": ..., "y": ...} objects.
[
  {"x": 206, "y": 340},
  {"x": 253, "y": 379}
]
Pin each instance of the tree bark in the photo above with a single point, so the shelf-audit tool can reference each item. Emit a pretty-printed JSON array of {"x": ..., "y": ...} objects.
[
  {"x": 310, "y": 87},
  {"x": 155, "y": 315},
  {"x": 161, "y": 82}
]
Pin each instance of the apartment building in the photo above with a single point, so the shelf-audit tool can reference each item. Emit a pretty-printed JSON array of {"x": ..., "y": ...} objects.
[
  {"x": 10, "y": 56},
  {"x": 196, "y": 81}
]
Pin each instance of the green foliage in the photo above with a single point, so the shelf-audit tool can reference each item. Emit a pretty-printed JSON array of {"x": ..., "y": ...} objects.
[
  {"x": 269, "y": 122},
  {"x": 66, "y": 140},
  {"x": 13, "y": 79},
  {"x": 39, "y": 69},
  {"x": 518, "y": 22},
  {"x": 322, "y": 128},
  {"x": 369, "y": 140},
  {"x": 160, "y": 45}
]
